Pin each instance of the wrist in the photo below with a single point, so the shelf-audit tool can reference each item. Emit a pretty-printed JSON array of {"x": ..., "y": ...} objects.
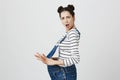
[{"x": 58, "y": 62}]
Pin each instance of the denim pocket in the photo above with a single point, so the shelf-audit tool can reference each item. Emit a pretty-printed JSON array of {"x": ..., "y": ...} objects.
[
  {"x": 71, "y": 72},
  {"x": 70, "y": 69},
  {"x": 60, "y": 75},
  {"x": 56, "y": 73}
]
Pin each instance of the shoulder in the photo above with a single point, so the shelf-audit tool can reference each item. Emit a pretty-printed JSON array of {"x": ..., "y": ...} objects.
[{"x": 73, "y": 33}]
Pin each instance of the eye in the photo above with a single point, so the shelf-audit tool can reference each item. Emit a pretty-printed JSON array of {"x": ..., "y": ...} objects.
[
  {"x": 62, "y": 18},
  {"x": 68, "y": 17}
]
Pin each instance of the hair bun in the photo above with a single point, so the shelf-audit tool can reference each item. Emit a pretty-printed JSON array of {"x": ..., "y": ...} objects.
[
  {"x": 60, "y": 9},
  {"x": 71, "y": 7}
]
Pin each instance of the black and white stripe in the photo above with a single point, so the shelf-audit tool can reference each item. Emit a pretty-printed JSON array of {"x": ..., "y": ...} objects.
[{"x": 69, "y": 48}]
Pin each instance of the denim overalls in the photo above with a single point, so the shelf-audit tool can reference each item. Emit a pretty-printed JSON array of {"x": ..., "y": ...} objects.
[{"x": 62, "y": 73}]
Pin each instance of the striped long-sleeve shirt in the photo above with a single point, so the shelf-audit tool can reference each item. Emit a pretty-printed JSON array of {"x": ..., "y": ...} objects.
[{"x": 69, "y": 48}]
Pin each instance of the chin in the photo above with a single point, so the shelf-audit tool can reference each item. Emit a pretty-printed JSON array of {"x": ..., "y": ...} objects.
[{"x": 67, "y": 28}]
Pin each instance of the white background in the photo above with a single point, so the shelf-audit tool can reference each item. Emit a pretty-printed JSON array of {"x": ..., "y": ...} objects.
[{"x": 29, "y": 26}]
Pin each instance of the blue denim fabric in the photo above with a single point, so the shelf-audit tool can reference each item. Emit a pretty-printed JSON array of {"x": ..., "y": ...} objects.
[{"x": 62, "y": 73}]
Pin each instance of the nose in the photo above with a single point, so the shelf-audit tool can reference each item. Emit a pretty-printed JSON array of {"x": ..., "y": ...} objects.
[{"x": 66, "y": 21}]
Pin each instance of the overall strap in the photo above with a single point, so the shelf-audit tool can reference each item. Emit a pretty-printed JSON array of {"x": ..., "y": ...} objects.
[
  {"x": 51, "y": 53},
  {"x": 78, "y": 32}
]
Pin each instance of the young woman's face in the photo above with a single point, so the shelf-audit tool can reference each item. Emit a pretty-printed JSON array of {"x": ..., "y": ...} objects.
[{"x": 67, "y": 20}]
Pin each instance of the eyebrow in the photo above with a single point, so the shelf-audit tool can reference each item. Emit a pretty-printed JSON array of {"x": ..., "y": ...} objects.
[{"x": 66, "y": 16}]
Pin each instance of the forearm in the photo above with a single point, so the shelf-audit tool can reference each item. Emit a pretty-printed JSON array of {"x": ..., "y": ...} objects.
[{"x": 58, "y": 62}]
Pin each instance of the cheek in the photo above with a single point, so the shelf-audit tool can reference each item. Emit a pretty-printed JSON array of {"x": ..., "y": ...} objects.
[
  {"x": 63, "y": 22},
  {"x": 71, "y": 21}
]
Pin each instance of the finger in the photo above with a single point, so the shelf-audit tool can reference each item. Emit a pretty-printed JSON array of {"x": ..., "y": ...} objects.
[
  {"x": 37, "y": 55},
  {"x": 43, "y": 57},
  {"x": 39, "y": 59},
  {"x": 44, "y": 61}
]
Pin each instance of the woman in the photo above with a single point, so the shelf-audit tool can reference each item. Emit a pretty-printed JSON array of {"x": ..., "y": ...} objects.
[{"x": 63, "y": 68}]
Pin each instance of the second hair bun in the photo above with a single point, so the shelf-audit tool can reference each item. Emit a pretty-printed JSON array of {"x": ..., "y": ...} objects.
[{"x": 71, "y": 7}]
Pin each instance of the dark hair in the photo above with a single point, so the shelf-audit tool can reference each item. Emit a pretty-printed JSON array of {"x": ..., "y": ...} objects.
[{"x": 69, "y": 8}]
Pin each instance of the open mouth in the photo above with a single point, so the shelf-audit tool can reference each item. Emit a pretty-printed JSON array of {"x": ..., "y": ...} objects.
[{"x": 67, "y": 25}]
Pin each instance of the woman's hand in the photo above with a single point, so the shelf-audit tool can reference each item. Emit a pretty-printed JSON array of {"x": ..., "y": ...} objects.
[{"x": 44, "y": 59}]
